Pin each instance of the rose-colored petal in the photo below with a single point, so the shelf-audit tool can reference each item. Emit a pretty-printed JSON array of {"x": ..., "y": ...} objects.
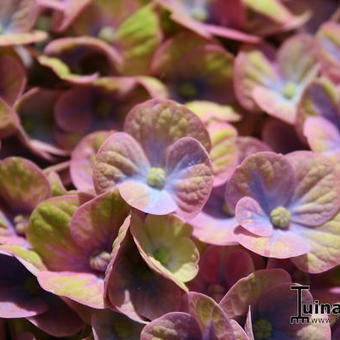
[
  {"x": 119, "y": 158},
  {"x": 190, "y": 176},
  {"x": 211, "y": 319},
  {"x": 317, "y": 194},
  {"x": 12, "y": 83},
  {"x": 251, "y": 217},
  {"x": 324, "y": 241},
  {"x": 132, "y": 288},
  {"x": 95, "y": 224},
  {"x": 49, "y": 234},
  {"x": 172, "y": 326},
  {"x": 266, "y": 177},
  {"x": 248, "y": 290},
  {"x": 322, "y": 136},
  {"x": 156, "y": 124},
  {"x": 85, "y": 288},
  {"x": 23, "y": 184},
  {"x": 282, "y": 244},
  {"x": 59, "y": 320}
]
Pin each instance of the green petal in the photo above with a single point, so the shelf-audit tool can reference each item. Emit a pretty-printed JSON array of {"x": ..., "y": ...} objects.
[{"x": 166, "y": 246}]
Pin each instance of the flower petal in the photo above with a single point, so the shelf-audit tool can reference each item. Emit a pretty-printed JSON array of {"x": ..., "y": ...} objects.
[
  {"x": 165, "y": 245},
  {"x": 251, "y": 217},
  {"x": 210, "y": 317},
  {"x": 248, "y": 290},
  {"x": 95, "y": 224},
  {"x": 172, "y": 326},
  {"x": 156, "y": 124},
  {"x": 317, "y": 195},
  {"x": 266, "y": 177},
  {"x": 118, "y": 159},
  {"x": 132, "y": 288},
  {"x": 23, "y": 185},
  {"x": 49, "y": 234},
  {"x": 190, "y": 176},
  {"x": 85, "y": 288}
]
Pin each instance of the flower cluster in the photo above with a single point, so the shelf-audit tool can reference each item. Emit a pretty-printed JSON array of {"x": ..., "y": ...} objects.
[{"x": 169, "y": 169}]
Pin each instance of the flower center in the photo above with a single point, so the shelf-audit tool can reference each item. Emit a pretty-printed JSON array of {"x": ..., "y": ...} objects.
[
  {"x": 21, "y": 224},
  {"x": 280, "y": 217},
  {"x": 262, "y": 329},
  {"x": 162, "y": 255},
  {"x": 107, "y": 33},
  {"x": 100, "y": 261},
  {"x": 187, "y": 90},
  {"x": 156, "y": 178},
  {"x": 289, "y": 90}
]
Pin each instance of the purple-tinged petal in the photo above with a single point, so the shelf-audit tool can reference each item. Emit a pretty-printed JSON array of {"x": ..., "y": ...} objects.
[
  {"x": 59, "y": 320},
  {"x": 144, "y": 198},
  {"x": 248, "y": 326},
  {"x": 156, "y": 124},
  {"x": 84, "y": 288},
  {"x": 272, "y": 102},
  {"x": 281, "y": 297},
  {"x": 319, "y": 330},
  {"x": 214, "y": 230},
  {"x": 282, "y": 244},
  {"x": 95, "y": 224},
  {"x": 325, "y": 247},
  {"x": 9, "y": 120},
  {"x": 211, "y": 319},
  {"x": 82, "y": 160},
  {"x": 190, "y": 176},
  {"x": 12, "y": 83},
  {"x": 215, "y": 224},
  {"x": 320, "y": 98},
  {"x": 172, "y": 326},
  {"x": 164, "y": 243},
  {"x": 132, "y": 288},
  {"x": 329, "y": 49},
  {"x": 322, "y": 136},
  {"x": 316, "y": 197},
  {"x": 49, "y": 234},
  {"x": 239, "y": 332},
  {"x": 248, "y": 290},
  {"x": 247, "y": 146},
  {"x": 251, "y": 217},
  {"x": 266, "y": 177},
  {"x": 56, "y": 184},
  {"x": 23, "y": 184},
  {"x": 107, "y": 324},
  {"x": 16, "y": 300},
  {"x": 118, "y": 159}
]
